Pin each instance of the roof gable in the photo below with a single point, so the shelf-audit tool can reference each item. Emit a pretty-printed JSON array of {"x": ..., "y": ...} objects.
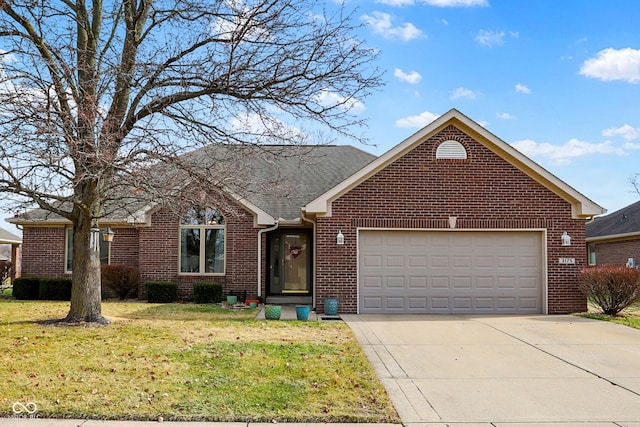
[{"x": 582, "y": 207}]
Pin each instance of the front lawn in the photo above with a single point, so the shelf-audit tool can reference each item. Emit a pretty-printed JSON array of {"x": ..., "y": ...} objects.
[
  {"x": 185, "y": 362},
  {"x": 628, "y": 317}
]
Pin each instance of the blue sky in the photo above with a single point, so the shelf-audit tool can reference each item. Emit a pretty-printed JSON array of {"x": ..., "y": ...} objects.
[{"x": 559, "y": 80}]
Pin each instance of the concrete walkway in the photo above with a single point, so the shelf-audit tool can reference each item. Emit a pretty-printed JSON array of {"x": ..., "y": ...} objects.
[{"x": 505, "y": 371}]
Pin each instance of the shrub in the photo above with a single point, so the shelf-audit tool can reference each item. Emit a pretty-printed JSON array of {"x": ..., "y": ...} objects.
[
  {"x": 54, "y": 289},
  {"x": 207, "y": 292},
  {"x": 123, "y": 280},
  {"x": 6, "y": 268},
  {"x": 26, "y": 288},
  {"x": 611, "y": 287},
  {"x": 161, "y": 291}
]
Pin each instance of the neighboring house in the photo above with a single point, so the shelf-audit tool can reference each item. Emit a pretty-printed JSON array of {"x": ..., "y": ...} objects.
[
  {"x": 7, "y": 238},
  {"x": 451, "y": 220},
  {"x": 615, "y": 238}
]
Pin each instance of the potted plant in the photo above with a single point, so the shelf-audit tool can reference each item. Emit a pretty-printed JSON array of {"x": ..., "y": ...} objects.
[{"x": 272, "y": 312}]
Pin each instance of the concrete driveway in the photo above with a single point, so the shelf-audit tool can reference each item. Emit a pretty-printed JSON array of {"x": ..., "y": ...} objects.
[{"x": 505, "y": 371}]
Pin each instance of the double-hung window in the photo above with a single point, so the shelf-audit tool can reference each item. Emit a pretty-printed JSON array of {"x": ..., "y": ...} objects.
[
  {"x": 202, "y": 241},
  {"x": 105, "y": 250}
]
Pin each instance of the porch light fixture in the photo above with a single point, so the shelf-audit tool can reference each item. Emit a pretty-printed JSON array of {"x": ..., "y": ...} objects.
[
  {"x": 453, "y": 220},
  {"x": 108, "y": 235},
  {"x": 566, "y": 239},
  {"x": 340, "y": 238}
]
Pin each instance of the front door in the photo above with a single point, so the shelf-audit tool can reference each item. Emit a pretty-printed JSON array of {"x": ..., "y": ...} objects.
[{"x": 290, "y": 262}]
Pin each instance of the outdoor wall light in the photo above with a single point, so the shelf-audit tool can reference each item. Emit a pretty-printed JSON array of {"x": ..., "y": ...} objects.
[
  {"x": 108, "y": 235},
  {"x": 340, "y": 238},
  {"x": 566, "y": 239}
]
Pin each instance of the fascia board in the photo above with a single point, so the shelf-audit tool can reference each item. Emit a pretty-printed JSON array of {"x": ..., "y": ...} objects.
[
  {"x": 321, "y": 205},
  {"x": 613, "y": 237},
  {"x": 581, "y": 206}
]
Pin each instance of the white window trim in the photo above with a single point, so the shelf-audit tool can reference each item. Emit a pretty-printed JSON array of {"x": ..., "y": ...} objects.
[
  {"x": 201, "y": 261},
  {"x": 68, "y": 236}
]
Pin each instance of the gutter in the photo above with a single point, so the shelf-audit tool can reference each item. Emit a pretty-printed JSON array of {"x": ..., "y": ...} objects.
[{"x": 612, "y": 237}]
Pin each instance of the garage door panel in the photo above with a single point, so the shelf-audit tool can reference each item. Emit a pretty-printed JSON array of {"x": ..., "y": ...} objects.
[
  {"x": 450, "y": 272},
  {"x": 418, "y": 282},
  {"x": 395, "y": 282}
]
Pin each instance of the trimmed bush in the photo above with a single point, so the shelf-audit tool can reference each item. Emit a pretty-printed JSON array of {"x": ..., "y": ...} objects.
[
  {"x": 207, "y": 292},
  {"x": 123, "y": 280},
  {"x": 26, "y": 288},
  {"x": 162, "y": 292},
  {"x": 611, "y": 287},
  {"x": 54, "y": 289}
]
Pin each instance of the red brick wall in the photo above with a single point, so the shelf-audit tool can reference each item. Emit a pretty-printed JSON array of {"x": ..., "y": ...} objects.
[
  {"x": 617, "y": 252},
  {"x": 159, "y": 249},
  {"x": 43, "y": 252},
  {"x": 154, "y": 251},
  {"x": 416, "y": 191}
]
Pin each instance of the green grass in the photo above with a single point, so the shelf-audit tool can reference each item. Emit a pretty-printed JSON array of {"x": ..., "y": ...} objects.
[
  {"x": 185, "y": 362},
  {"x": 628, "y": 317}
]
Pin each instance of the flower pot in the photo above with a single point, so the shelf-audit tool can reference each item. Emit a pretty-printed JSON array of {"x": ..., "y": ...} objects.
[
  {"x": 249, "y": 302},
  {"x": 331, "y": 306},
  {"x": 272, "y": 312},
  {"x": 302, "y": 312},
  {"x": 253, "y": 304},
  {"x": 232, "y": 299}
]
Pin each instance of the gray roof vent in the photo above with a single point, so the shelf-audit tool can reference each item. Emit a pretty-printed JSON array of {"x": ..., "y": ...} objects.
[{"x": 451, "y": 150}]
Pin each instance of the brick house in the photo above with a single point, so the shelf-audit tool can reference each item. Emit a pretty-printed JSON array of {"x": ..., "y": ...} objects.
[
  {"x": 615, "y": 238},
  {"x": 451, "y": 220}
]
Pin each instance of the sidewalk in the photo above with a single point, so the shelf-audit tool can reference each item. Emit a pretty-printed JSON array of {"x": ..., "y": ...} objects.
[{"x": 37, "y": 422}]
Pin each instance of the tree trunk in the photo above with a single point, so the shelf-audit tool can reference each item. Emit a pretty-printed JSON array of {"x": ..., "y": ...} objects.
[{"x": 86, "y": 298}]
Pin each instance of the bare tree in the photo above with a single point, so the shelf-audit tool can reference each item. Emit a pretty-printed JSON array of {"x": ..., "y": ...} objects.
[{"x": 92, "y": 93}]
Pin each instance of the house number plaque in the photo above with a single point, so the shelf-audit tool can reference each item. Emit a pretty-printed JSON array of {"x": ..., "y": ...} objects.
[{"x": 566, "y": 261}]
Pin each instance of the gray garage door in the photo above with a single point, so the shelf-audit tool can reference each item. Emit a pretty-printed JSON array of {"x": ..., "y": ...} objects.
[{"x": 450, "y": 272}]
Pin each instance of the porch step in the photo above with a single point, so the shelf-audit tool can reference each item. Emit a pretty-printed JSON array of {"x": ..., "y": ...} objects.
[{"x": 289, "y": 299}]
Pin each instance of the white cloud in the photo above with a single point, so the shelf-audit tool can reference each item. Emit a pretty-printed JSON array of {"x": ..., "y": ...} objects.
[
  {"x": 436, "y": 3},
  {"x": 396, "y": 3},
  {"x": 380, "y": 23},
  {"x": 627, "y": 132},
  {"x": 462, "y": 93},
  {"x": 506, "y": 116},
  {"x": 418, "y": 121},
  {"x": 494, "y": 38},
  {"x": 522, "y": 88},
  {"x": 412, "y": 78},
  {"x": 565, "y": 153},
  {"x": 490, "y": 38},
  {"x": 612, "y": 64},
  {"x": 266, "y": 127},
  {"x": 330, "y": 99}
]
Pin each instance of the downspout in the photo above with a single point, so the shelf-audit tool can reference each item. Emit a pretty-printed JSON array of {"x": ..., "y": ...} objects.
[
  {"x": 260, "y": 233},
  {"x": 313, "y": 277}
]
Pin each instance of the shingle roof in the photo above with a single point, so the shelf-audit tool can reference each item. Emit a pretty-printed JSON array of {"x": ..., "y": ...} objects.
[
  {"x": 279, "y": 179},
  {"x": 623, "y": 221},
  {"x": 7, "y": 237}
]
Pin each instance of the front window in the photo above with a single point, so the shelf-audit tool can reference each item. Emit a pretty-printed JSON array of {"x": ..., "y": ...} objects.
[
  {"x": 202, "y": 241},
  {"x": 592, "y": 254},
  {"x": 105, "y": 250}
]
